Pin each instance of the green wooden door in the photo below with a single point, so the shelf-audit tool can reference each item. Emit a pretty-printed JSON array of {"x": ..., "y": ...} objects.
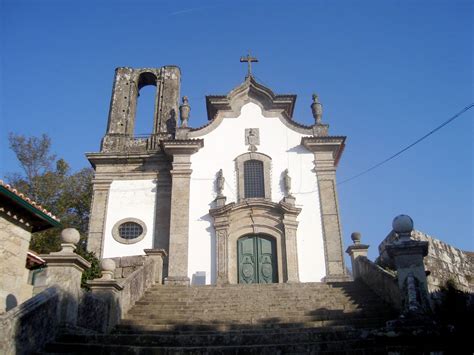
[{"x": 257, "y": 260}]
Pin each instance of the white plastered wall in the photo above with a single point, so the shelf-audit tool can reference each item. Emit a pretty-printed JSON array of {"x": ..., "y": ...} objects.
[
  {"x": 130, "y": 199},
  {"x": 221, "y": 147}
]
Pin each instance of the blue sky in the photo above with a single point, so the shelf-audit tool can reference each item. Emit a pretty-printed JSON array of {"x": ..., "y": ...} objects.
[{"x": 387, "y": 72}]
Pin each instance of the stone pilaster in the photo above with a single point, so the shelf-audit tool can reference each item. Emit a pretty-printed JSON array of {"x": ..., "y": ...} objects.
[
  {"x": 221, "y": 248},
  {"x": 355, "y": 251},
  {"x": 100, "y": 196},
  {"x": 290, "y": 225},
  {"x": 327, "y": 151},
  {"x": 180, "y": 151}
]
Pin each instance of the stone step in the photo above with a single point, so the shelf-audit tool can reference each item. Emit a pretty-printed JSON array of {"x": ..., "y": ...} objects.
[
  {"x": 255, "y": 337},
  {"x": 322, "y": 312},
  {"x": 190, "y": 325},
  {"x": 337, "y": 347}
]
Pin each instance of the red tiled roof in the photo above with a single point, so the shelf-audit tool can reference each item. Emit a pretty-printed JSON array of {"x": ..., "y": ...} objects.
[{"x": 28, "y": 200}]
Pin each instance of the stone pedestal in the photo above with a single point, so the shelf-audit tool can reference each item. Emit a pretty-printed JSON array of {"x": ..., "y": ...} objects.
[
  {"x": 108, "y": 290},
  {"x": 157, "y": 255},
  {"x": 408, "y": 257},
  {"x": 64, "y": 270},
  {"x": 355, "y": 251},
  {"x": 181, "y": 151}
]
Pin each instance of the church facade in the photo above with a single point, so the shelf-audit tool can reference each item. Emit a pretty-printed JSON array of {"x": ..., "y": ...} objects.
[{"x": 250, "y": 197}]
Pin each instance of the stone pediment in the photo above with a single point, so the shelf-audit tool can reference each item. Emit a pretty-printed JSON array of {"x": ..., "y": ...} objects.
[{"x": 250, "y": 91}]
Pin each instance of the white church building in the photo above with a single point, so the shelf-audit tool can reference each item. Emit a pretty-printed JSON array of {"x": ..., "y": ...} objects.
[{"x": 250, "y": 197}]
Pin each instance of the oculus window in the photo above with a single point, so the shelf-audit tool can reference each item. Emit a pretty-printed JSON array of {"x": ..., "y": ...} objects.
[{"x": 129, "y": 230}]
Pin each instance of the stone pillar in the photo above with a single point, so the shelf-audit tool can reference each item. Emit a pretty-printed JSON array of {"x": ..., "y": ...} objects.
[
  {"x": 100, "y": 197},
  {"x": 407, "y": 256},
  {"x": 290, "y": 226},
  {"x": 64, "y": 270},
  {"x": 181, "y": 151},
  {"x": 108, "y": 290},
  {"x": 327, "y": 151},
  {"x": 157, "y": 255},
  {"x": 355, "y": 251}
]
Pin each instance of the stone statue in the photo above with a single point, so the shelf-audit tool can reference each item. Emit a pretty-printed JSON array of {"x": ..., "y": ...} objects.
[
  {"x": 220, "y": 180},
  {"x": 184, "y": 111},
  {"x": 317, "y": 109},
  {"x": 287, "y": 183}
]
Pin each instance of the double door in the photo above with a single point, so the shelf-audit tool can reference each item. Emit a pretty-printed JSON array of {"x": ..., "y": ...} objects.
[{"x": 257, "y": 259}]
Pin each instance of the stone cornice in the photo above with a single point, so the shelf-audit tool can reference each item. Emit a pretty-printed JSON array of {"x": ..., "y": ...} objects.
[
  {"x": 122, "y": 158},
  {"x": 334, "y": 144},
  {"x": 181, "y": 146},
  {"x": 69, "y": 259}
]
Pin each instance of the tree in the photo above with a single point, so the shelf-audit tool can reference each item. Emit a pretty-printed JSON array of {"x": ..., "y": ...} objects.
[{"x": 49, "y": 182}]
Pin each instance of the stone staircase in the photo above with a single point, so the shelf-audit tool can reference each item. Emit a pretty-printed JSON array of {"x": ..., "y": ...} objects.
[{"x": 335, "y": 318}]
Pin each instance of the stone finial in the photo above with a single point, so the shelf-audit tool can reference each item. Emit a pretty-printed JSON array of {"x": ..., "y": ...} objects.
[
  {"x": 356, "y": 238},
  {"x": 317, "y": 109},
  {"x": 69, "y": 238},
  {"x": 108, "y": 267},
  {"x": 184, "y": 110},
  {"x": 403, "y": 226}
]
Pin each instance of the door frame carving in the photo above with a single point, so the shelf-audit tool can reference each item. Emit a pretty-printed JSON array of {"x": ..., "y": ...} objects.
[{"x": 256, "y": 216}]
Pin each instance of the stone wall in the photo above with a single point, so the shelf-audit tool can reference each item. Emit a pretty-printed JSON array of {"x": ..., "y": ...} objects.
[
  {"x": 444, "y": 262},
  {"x": 136, "y": 284},
  {"x": 126, "y": 265},
  {"x": 26, "y": 328},
  {"x": 381, "y": 281},
  {"x": 14, "y": 242},
  {"x": 92, "y": 313}
]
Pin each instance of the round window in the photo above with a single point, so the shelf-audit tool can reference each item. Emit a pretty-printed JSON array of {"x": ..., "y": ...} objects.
[{"x": 129, "y": 230}]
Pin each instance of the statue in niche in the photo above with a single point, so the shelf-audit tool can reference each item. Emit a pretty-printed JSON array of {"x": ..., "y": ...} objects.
[
  {"x": 287, "y": 183},
  {"x": 252, "y": 138},
  {"x": 220, "y": 180}
]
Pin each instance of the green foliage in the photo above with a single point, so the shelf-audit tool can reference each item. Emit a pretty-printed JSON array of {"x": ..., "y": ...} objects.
[
  {"x": 94, "y": 271},
  {"x": 455, "y": 308},
  {"x": 49, "y": 181}
]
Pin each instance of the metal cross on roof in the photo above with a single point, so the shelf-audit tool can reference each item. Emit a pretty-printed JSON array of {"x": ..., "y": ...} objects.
[{"x": 249, "y": 59}]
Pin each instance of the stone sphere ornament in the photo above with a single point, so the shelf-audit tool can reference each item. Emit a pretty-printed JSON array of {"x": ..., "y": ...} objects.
[
  {"x": 107, "y": 265},
  {"x": 70, "y": 236},
  {"x": 356, "y": 237},
  {"x": 402, "y": 224}
]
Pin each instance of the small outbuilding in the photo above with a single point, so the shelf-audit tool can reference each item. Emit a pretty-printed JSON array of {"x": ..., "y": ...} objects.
[{"x": 19, "y": 218}]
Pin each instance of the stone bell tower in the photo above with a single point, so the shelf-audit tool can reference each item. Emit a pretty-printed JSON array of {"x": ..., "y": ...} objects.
[
  {"x": 139, "y": 162},
  {"x": 123, "y": 106}
]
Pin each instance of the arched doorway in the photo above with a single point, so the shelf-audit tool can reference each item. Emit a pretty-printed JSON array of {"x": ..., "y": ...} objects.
[{"x": 257, "y": 259}]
